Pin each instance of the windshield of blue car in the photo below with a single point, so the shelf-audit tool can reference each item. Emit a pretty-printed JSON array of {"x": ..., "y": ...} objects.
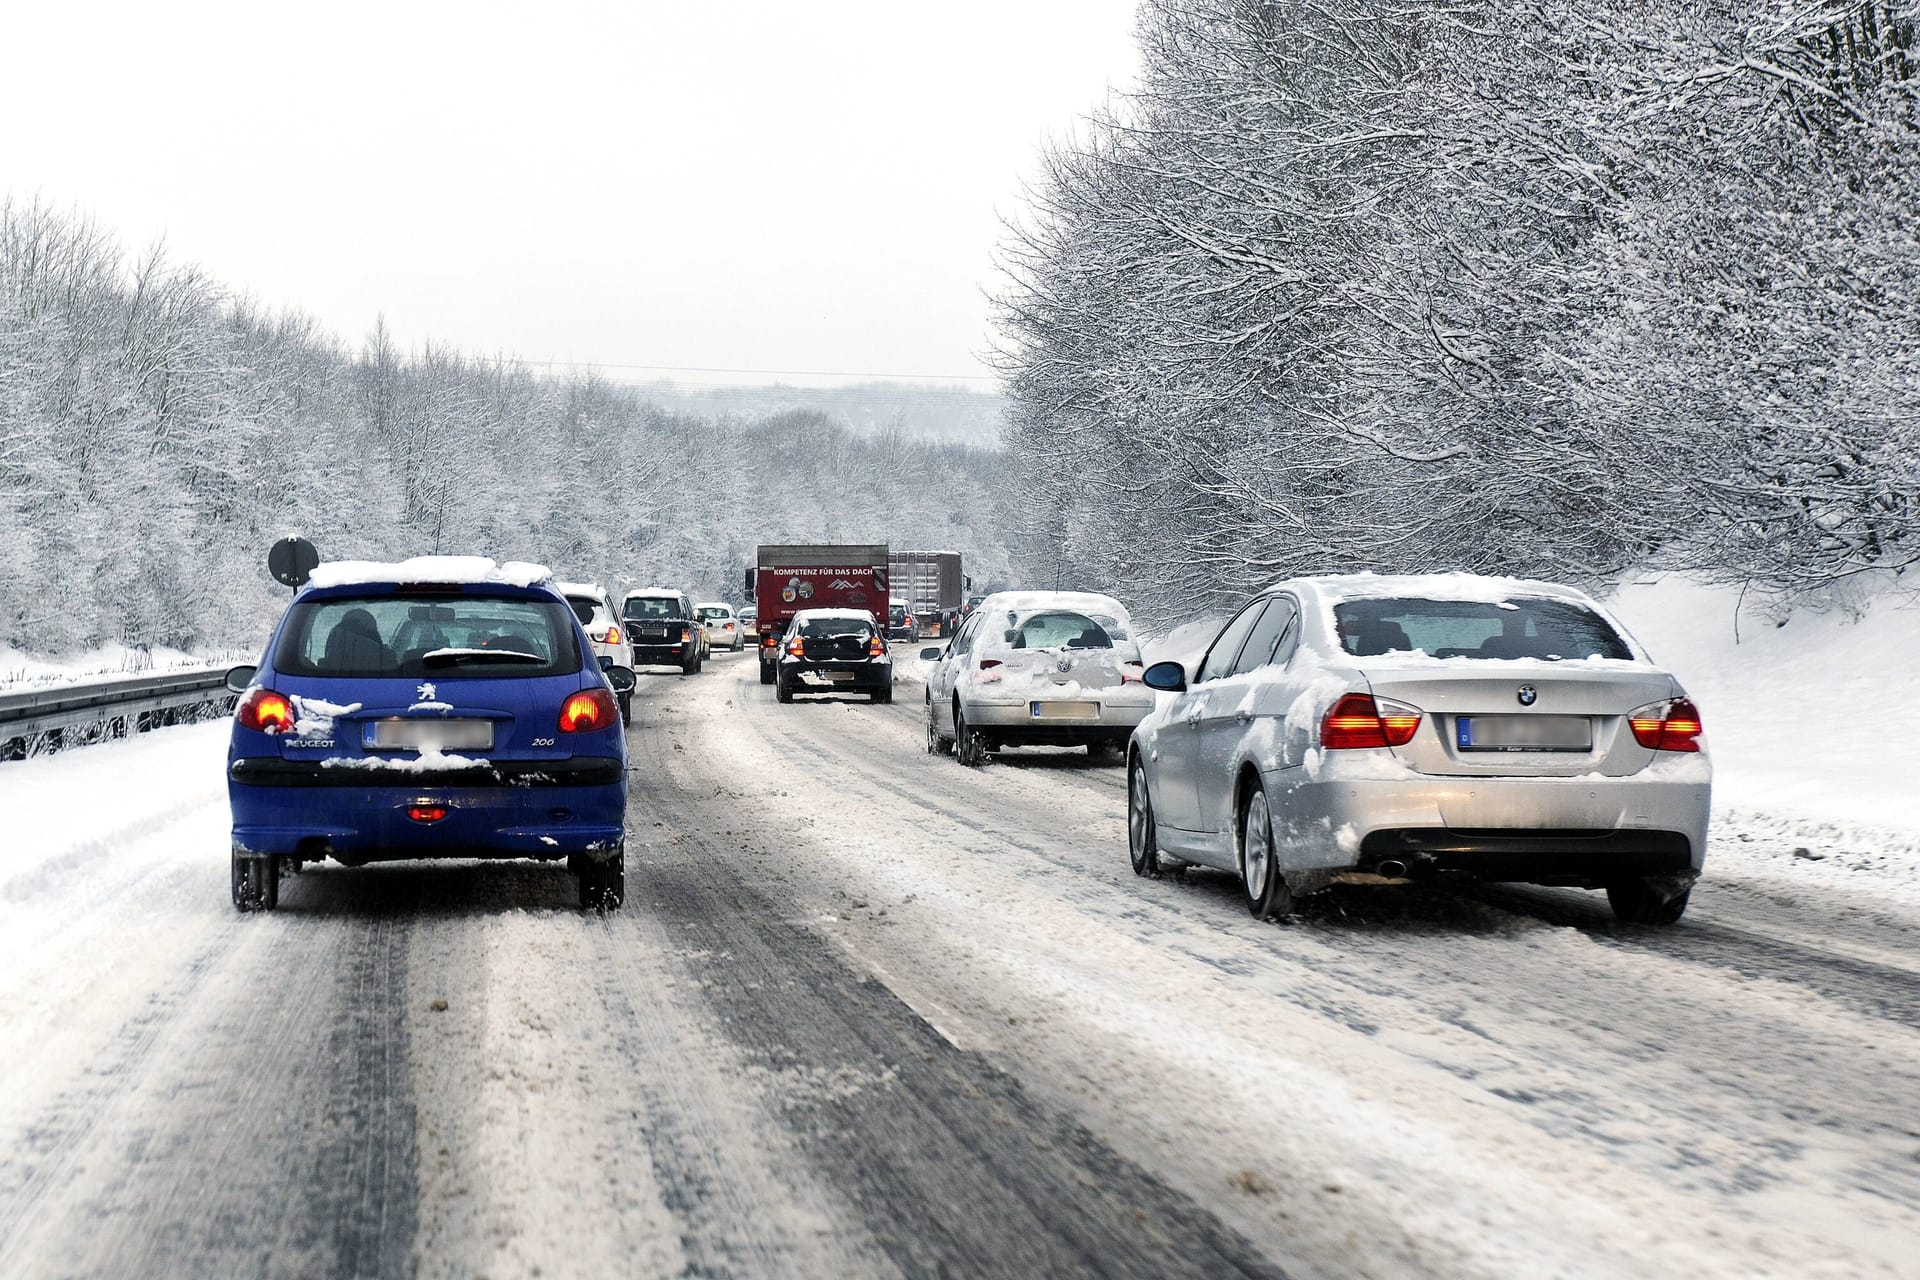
[
  {"x": 1524, "y": 627},
  {"x": 438, "y": 635}
]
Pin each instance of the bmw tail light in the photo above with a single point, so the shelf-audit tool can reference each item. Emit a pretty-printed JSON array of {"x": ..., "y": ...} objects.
[
  {"x": 1359, "y": 721},
  {"x": 588, "y": 710},
  {"x": 1667, "y": 726},
  {"x": 265, "y": 710}
]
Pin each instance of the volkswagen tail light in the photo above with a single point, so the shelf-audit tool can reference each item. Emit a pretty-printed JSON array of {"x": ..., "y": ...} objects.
[
  {"x": 588, "y": 710},
  {"x": 1359, "y": 721},
  {"x": 265, "y": 710},
  {"x": 1667, "y": 726}
]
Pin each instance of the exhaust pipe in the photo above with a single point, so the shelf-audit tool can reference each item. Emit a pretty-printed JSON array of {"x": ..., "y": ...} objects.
[{"x": 1391, "y": 868}]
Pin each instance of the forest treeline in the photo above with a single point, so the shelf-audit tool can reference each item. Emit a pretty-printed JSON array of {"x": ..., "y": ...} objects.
[
  {"x": 158, "y": 434},
  {"x": 1560, "y": 287}
]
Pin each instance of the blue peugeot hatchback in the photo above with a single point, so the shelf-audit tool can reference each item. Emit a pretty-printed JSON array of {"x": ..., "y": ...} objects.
[{"x": 441, "y": 707}]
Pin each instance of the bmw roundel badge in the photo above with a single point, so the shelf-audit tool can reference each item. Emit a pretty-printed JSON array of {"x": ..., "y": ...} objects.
[{"x": 1528, "y": 695}]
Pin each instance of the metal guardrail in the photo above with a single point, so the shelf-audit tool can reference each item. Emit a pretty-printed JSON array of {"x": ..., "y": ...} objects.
[{"x": 43, "y": 720}]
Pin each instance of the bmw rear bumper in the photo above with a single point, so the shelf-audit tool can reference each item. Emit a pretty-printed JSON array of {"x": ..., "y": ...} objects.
[{"x": 1580, "y": 830}]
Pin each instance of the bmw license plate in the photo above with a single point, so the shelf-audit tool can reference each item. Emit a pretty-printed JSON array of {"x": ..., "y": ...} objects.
[
  {"x": 1523, "y": 733},
  {"x": 1065, "y": 710},
  {"x": 441, "y": 735}
]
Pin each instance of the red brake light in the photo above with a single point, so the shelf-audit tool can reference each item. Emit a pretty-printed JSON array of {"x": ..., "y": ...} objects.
[
  {"x": 1667, "y": 726},
  {"x": 265, "y": 710},
  {"x": 588, "y": 710},
  {"x": 426, "y": 812},
  {"x": 1357, "y": 722},
  {"x": 613, "y": 635}
]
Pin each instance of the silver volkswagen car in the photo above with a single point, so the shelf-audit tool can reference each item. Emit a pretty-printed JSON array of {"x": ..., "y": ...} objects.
[
  {"x": 1370, "y": 729},
  {"x": 1037, "y": 668}
]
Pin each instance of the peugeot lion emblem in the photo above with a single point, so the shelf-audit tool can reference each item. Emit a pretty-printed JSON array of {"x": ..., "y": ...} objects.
[{"x": 1528, "y": 695}]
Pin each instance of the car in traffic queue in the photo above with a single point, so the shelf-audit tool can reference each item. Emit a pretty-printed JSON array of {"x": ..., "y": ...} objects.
[
  {"x": 901, "y": 624},
  {"x": 834, "y": 651},
  {"x": 723, "y": 629},
  {"x": 663, "y": 630},
  {"x": 439, "y": 707},
  {"x": 594, "y": 607},
  {"x": 1037, "y": 668},
  {"x": 1367, "y": 729}
]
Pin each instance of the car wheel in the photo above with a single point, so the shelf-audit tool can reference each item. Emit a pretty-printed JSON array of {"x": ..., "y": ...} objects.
[
  {"x": 766, "y": 674},
  {"x": 969, "y": 748},
  {"x": 1267, "y": 892},
  {"x": 783, "y": 692},
  {"x": 1650, "y": 899},
  {"x": 603, "y": 883},
  {"x": 1143, "y": 845},
  {"x": 256, "y": 881}
]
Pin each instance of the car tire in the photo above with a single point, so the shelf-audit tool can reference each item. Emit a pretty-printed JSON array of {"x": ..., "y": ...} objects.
[
  {"x": 1658, "y": 900},
  {"x": 256, "y": 882},
  {"x": 969, "y": 747},
  {"x": 783, "y": 692},
  {"x": 1268, "y": 896},
  {"x": 603, "y": 882},
  {"x": 1143, "y": 844}
]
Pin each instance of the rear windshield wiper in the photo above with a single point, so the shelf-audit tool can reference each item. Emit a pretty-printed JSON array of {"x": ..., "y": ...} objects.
[{"x": 454, "y": 657}]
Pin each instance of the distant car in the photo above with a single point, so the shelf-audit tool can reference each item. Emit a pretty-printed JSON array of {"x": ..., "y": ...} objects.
[
  {"x": 442, "y": 707},
  {"x": 1372, "y": 728},
  {"x": 723, "y": 629},
  {"x": 1037, "y": 668},
  {"x": 900, "y": 620},
  {"x": 594, "y": 607},
  {"x": 662, "y": 629},
  {"x": 834, "y": 651}
]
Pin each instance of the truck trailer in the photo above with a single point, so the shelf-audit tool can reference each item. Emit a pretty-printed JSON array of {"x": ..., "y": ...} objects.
[
  {"x": 933, "y": 586},
  {"x": 786, "y": 579}
]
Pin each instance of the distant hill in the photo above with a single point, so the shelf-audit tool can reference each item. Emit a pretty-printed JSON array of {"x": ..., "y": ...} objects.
[{"x": 947, "y": 414}]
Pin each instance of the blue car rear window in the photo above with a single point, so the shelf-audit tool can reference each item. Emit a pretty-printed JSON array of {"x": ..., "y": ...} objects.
[{"x": 439, "y": 636}]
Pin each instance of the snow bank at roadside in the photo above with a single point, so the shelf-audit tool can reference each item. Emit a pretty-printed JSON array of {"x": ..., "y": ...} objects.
[
  {"x": 20, "y": 670},
  {"x": 1809, "y": 719}
]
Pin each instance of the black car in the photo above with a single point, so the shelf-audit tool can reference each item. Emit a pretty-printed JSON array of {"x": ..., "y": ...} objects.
[
  {"x": 662, "y": 629},
  {"x": 834, "y": 651}
]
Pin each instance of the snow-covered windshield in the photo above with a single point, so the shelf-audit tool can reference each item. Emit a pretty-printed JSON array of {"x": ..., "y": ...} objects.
[
  {"x": 407, "y": 636},
  {"x": 1524, "y": 627}
]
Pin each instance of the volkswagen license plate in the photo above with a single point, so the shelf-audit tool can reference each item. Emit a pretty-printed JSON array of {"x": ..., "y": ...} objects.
[
  {"x": 1523, "y": 733},
  {"x": 1065, "y": 710},
  {"x": 441, "y": 735}
]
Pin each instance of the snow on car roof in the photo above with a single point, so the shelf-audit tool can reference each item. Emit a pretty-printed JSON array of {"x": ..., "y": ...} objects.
[
  {"x": 438, "y": 569},
  {"x": 1474, "y": 588},
  {"x": 1068, "y": 601}
]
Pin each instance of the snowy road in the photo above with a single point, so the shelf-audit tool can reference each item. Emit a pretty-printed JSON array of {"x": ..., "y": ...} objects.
[{"x": 867, "y": 1013}]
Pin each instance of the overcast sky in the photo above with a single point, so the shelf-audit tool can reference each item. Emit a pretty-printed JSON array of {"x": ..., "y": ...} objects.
[{"x": 747, "y": 185}]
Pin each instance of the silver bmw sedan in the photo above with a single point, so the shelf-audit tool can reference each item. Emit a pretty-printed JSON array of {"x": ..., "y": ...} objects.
[{"x": 1373, "y": 729}]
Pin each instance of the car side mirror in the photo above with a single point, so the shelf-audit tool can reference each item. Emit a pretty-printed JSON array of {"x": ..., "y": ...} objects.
[
  {"x": 1167, "y": 677},
  {"x": 582, "y": 610},
  {"x": 621, "y": 678},
  {"x": 240, "y": 678},
  {"x": 931, "y": 654}
]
